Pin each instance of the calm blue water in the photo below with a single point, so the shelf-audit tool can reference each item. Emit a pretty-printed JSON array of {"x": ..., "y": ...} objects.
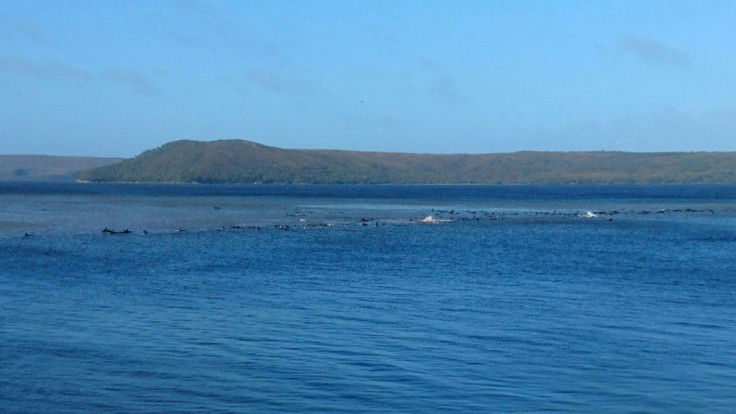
[{"x": 341, "y": 299}]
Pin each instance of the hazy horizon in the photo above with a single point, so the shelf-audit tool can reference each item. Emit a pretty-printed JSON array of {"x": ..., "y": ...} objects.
[{"x": 113, "y": 79}]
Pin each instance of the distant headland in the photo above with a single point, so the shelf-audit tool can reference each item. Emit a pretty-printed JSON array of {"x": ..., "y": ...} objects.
[
  {"x": 48, "y": 167},
  {"x": 239, "y": 161}
]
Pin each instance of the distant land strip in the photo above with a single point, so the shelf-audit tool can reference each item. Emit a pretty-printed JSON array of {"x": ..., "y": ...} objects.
[
  {"x": 239, "y": 161},
  {"x": 48, "y": 167}
]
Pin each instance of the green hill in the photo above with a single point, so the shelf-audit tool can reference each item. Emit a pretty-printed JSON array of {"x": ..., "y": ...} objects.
[
  {"x": 47, "y": 167},
  {"x": 237, "y": 161}
]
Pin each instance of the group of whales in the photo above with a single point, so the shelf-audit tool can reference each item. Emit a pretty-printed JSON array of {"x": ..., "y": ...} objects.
[{"x": 438, "y": 216}]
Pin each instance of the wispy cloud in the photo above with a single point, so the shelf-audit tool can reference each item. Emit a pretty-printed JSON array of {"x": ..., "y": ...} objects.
[
  {"x": 132, "y": 80},
  {"x": 654, "y": 52},
  {"x": 190, "y": 40},
  {"x": 271, "y": 81},
  {"x": 445, "y": 88},
  {"x": 213, "y": 30},
  {"x": 18, "y": 29},
  {"x": 41, "y": 70},
  {"x": 441, "y": 84}
]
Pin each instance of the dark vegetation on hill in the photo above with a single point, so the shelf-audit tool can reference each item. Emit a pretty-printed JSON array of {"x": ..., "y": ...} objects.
[
  {"x": 48, "y": 167},
  {"x": 237, "y": 161}
]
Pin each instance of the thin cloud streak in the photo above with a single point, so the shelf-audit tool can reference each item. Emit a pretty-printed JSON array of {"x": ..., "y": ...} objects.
[
  {"x": 132, "y": 80},
  {"x": 17, "y": 29},
  {"x": 445, "y": 89},
  {"x": 215, "y": 31},
  {"x": 41, "y": 70},
  {"x": 654, "y": 52},
  {"x": 53, "y": 70},
  {"x": 441, "y": 85},
  {"x": 271, "y": 81}
]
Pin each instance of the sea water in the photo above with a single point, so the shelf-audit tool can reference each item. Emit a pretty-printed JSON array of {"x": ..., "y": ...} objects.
[{"x": 367, "y": 298}]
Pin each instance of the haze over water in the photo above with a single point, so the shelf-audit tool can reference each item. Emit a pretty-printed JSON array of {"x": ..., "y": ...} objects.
[{"x": 346, "y": 299}]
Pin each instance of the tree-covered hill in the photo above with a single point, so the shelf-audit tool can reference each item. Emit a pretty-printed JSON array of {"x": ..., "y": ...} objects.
[{"x": 237, "y": 161}]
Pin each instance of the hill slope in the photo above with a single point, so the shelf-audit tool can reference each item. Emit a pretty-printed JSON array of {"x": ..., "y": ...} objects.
[
  {"x": 48, "y": 167},
  {"x": 237, "y": 161}
]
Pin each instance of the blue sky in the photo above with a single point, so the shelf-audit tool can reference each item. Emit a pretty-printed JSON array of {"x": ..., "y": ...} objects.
[{"x": 114, "y": 78}]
